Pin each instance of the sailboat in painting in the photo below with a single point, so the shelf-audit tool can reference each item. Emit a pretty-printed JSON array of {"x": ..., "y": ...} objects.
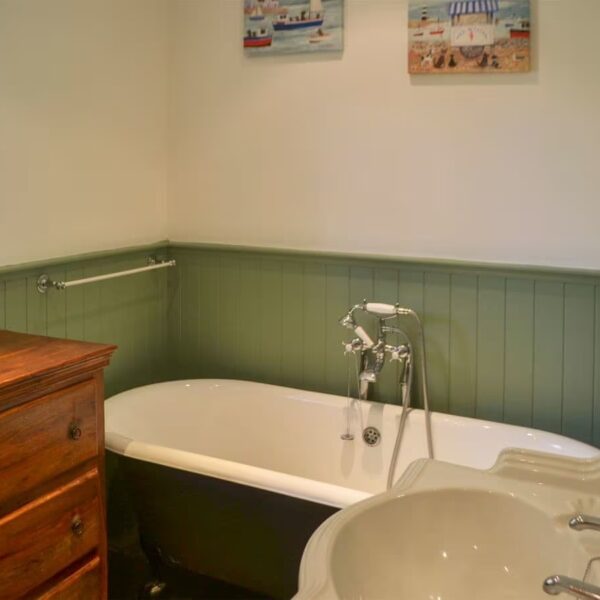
[
  {"x": 314, "y": 17},
  {"x": 267, "y": 7},
  {"x": 257, "y": 14}
]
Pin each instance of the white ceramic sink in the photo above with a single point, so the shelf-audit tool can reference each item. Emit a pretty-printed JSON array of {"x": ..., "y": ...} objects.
[{"x": 453, "y": 533}]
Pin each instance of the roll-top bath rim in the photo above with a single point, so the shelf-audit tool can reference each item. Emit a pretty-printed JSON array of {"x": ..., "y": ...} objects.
[
  {"x": 288, "y": 441},
  {"x": 263, "y": 479},
  {"x": 44, "y": 283}
]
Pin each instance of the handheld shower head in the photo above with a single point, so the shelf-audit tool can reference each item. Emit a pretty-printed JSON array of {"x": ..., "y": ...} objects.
[{"x": 381, "y": 310}]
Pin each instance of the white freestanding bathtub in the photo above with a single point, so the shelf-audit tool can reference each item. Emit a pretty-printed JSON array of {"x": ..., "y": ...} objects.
[{"x": 228, "y": 477}]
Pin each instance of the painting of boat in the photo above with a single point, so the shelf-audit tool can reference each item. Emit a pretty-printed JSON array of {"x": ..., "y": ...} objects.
[
  {"x": 257, "y": 39},
  {"x": 292, "y": 26},
  {"x": 311, "y": 18},
  {"x": 469, "y": 36}
]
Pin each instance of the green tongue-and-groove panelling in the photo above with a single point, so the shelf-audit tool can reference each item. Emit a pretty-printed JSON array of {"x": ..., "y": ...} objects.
[
  {"x": 129, "y": 312},
  {"x": 505, "y": 344}
]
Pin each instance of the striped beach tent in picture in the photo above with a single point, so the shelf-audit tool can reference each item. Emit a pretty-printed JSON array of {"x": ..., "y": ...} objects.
[{"x": 469, "y": 7}]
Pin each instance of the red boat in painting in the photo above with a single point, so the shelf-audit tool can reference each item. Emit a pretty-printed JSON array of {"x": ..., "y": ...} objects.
[
  {"x": 519, "y": 34},
  {"x": 257, "y": 40},
  {"x": 520, "y": 31},
  {"x": 437, "y": 29}
]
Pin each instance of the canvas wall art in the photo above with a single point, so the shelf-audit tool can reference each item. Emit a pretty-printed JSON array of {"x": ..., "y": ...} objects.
[
  {"x": 291, "y": 26},
  {"x": 469, "y": 36}
]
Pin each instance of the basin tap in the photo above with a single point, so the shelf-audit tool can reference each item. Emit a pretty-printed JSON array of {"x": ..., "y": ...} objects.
[
  {"x": 582, "y": 522},
  {"x": 559, "y": 584}
]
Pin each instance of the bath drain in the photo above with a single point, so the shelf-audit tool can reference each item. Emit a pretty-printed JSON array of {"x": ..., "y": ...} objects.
[{"x": 371, "y": 436}]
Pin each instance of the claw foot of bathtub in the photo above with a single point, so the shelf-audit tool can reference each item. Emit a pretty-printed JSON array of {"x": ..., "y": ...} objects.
[{"x": 154, "y": 589}]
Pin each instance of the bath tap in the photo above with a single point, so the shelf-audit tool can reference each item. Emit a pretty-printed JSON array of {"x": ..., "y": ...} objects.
[
  {"x": 372, "y": 364},
  {"x": 373, "y": 356},
  {"x": 559, "y": 584}
]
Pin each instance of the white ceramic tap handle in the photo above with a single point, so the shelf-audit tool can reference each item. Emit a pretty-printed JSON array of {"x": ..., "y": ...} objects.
[{"x": 364, "y": 336}]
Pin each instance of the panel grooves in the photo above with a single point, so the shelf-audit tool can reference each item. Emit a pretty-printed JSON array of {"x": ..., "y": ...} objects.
[{"x": 476, "y": 366}]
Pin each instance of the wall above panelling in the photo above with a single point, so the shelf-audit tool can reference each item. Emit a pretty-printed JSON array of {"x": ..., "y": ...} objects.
[
  {"x": 83, "y": 126},
  {"x": 348, "y": 153},
  {"x": 126, "y": 122}
]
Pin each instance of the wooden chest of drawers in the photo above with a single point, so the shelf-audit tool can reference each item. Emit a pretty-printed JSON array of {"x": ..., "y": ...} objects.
[{"x": 52, "y": 508}]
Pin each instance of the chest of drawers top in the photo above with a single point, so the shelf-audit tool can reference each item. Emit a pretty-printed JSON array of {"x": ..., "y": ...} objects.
[{"x": 32, "y": 365}]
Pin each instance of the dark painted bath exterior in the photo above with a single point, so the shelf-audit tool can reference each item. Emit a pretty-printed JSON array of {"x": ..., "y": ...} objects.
[{"x": 238, "y": 534}]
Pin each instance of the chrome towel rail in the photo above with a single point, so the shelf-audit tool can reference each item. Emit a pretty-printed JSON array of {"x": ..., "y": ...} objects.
[{"x": 44, "y": 283}]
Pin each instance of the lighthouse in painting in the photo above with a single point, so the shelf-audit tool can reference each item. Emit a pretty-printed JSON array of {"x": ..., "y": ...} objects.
[{"x": 313, "y": 17}]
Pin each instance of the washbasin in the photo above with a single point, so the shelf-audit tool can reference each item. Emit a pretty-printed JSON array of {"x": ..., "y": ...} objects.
[
  {"x": 452, "y": 533},
  {"x": 460, "y": 542}
]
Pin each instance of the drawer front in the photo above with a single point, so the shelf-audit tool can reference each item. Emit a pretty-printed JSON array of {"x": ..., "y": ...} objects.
[
  {"x": 45, "y": 536},
  {"x": 46, "y": 437},
  {"x": 83, "y": 584}
]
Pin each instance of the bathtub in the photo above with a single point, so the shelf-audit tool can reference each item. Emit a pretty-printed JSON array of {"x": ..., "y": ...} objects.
[{"x": 231, "y": 478}]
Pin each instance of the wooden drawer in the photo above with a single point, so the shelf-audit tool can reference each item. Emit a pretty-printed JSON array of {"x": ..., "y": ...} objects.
[
  {"x": 43, "y": 537},
  {"x": 46, "y": 437},
  {"x": 83, "y": 584}
]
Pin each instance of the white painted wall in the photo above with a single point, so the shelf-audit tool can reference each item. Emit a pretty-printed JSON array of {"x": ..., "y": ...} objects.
[
  {"x": 351, "y": 154},
  {"x": 341, "y": 153},
  {"x": 83, "y": 115}
]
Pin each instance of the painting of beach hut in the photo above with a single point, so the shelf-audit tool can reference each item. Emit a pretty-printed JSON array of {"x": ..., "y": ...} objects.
[
  {"x": 291, "y": 26},
  {"x": 469, "y": 36}
]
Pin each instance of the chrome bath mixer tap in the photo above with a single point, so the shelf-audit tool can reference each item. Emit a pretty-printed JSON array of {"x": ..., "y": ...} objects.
[{"x": 372, "y": 357}]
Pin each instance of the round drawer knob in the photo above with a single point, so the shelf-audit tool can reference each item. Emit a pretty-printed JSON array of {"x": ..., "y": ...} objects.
[
  {"x": 77, "y": 526},
  {"x": 74, "y": 431}
]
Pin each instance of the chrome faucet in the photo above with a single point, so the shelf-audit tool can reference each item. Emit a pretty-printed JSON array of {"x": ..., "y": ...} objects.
[
  {"x": 559, "y": 584},
  {"x": 583, "y": 522},
  {"x": 372, "y": 354},
  {"x": 372, "y": 358}
]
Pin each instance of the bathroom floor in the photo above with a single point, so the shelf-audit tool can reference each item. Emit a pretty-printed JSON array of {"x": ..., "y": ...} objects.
[{"x": 129, "y": 573}]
